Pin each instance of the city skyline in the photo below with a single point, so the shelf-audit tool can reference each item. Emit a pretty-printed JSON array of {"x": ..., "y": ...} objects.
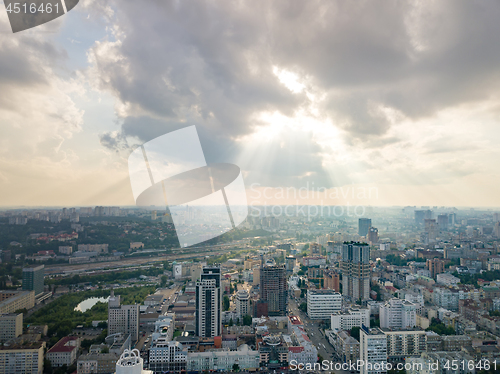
[{"x": 397, "y": 97}]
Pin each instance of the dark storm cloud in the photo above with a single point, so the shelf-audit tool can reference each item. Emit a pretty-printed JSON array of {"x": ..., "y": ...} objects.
[{"x": 215, "y": 60}]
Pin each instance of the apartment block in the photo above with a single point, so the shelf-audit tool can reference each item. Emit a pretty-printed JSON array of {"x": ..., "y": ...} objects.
[{"x": 11, "y": 326}]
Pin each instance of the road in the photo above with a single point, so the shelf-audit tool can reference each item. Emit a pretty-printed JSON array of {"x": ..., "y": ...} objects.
[{"x": 316, "y": 336}]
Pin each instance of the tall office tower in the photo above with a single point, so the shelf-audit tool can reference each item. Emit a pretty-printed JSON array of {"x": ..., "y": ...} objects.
[
  {"x": 452, "y": 219},
  {"x": 123, "y": 318},
  {"x": 364, "y": 225},
  {"x": 315, "y": 249},
  {"x": 356, "y": 271},
  {"x": 430, "y": 226},
  {"x": 273, "y": 289},
  {"x": 242, "y": 304},
  {"x": 435, "y": 266},
  {"x": 373, "y": 235},
  {"x": 33, "y": 279},
  {"x": 398, "y": 314},
  {"x": 442, "y": 222},
  {"x": 209, "y": 303},
  {"x": 372, "y": 350},
  {"x": 421, "y": 215}
]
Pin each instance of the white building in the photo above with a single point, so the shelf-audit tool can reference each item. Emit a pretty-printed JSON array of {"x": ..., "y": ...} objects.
[
  {"x": 398, "y": 314},
  {"x": 130, "y": 362},
  {"x": 11, "y": 326},
  {"x": 373, "y": 351},
  {"x": 123, "y": 318},
  {"x": 445, "y": 298},
  {"x": 350, "y": 318},
  {"x": 64, "y": 352},
  {"x": 321, "y": 304},
  {"x": 242, "y": 304},
  {"x": 447, "y": 279},
  {"x": 165, "y": 355},
  {"x": 300, "y": 347},
  {"x": 223, "y": 360}
]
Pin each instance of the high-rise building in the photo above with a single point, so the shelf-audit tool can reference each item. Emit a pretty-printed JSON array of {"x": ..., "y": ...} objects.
[
  {"x": 123, "y": 318},
  {"x": 242, "y": 304},
  {"x": 373, "y": 235},
  {"x": 209, "y": 303},
  {"x": 442, "y": 222},
  {"x": 431, "y": 228},
  {"x": 435, "y": 266},
  {"x": 421, "y": 215},
  {"x": 398, "y": 314},
  {"x": 373, "y": 350},
  {"x": 322, "y": 303},
  {"x": 356, "y": 271},
  {"x": 33, "y": 279},
  {"x": 290, "y": 263},
  {"x": 11, "y": 326},
  {"x": 273, "y": 289},
  {"x": 364, "y": 225}
]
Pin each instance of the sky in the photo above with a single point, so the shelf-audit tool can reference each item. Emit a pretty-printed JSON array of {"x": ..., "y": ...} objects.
[{"x": 397, "y": 98}]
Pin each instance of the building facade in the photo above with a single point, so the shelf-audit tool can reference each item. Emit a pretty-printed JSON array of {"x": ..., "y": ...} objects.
[
  {"x": 22, "y": 359},
  {"x": 273, "y": 289},
  {"x": 398, "y": 314},
  {"x": 373, "y": 351},
  {"x": 123, "y": 318},
  {"x": 11, "y": 326},
  {"x": 33, "y": 279},
  {"x": 322, "y": 303},
  {"x": 353, "y": 317},
  {"x": 209, "y": 303},
  {"x": 355, "y": 267}
]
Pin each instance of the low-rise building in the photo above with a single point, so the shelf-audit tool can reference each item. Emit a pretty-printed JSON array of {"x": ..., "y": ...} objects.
[
  {"x": 64, "y": 352},
  {"x": 350, "y": 318},
  {"x": 97, "y": 363}
]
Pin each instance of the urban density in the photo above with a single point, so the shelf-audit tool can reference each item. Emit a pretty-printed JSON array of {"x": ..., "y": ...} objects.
[{"x": 86, "y": 289}]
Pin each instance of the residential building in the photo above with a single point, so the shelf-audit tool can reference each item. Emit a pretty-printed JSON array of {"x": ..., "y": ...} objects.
[
  {"x": 322, "y": 303},
  {"x": 447, "y": 279},
  {"x": 242, "y": 304},
  {"x": 123, "y": 318},
  {"x": 11, "y": 301},
  {"x": 331, "y": 280},
  {"x": 22, "y": 359},
  {"x": 405, "y": 343},
  {"x": 373, "y": 350},
  {"x": 346, "y": 347},
  {"x": 435, "y": 266},
  {"x": 167, "y": 356},
  {"x": 356, "y": 271},
  {"x": 398, "y": 314},
  {"x": 209, "y": 303},
  {"x": 64, "y": 352},
  {"x": 352, "y": 317},
  {"x": 33, "y": 279},
  {"x": 11, "y": 326},
  {"x": 273, "y": 289}
]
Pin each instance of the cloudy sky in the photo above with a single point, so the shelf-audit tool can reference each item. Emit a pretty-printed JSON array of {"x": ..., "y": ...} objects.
[{"x": 401, "y": 97}]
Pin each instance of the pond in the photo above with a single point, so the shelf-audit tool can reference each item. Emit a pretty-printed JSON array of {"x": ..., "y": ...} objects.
[{"x": 89, "y": 303}]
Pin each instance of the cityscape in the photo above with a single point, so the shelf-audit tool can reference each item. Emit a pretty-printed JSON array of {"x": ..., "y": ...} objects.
[
  {"x": 277, "y": 187},
  {"x": 92, "y": 289}
]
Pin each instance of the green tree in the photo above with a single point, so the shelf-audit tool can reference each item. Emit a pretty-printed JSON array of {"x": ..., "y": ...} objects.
[
  {"x": 247, "y": 320},
  {"x": 231, "y": 322},
  {"x": 303, "y": 307},
  {"x": 236, "y": 368},
  {"x": 226, "y": 303}
]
